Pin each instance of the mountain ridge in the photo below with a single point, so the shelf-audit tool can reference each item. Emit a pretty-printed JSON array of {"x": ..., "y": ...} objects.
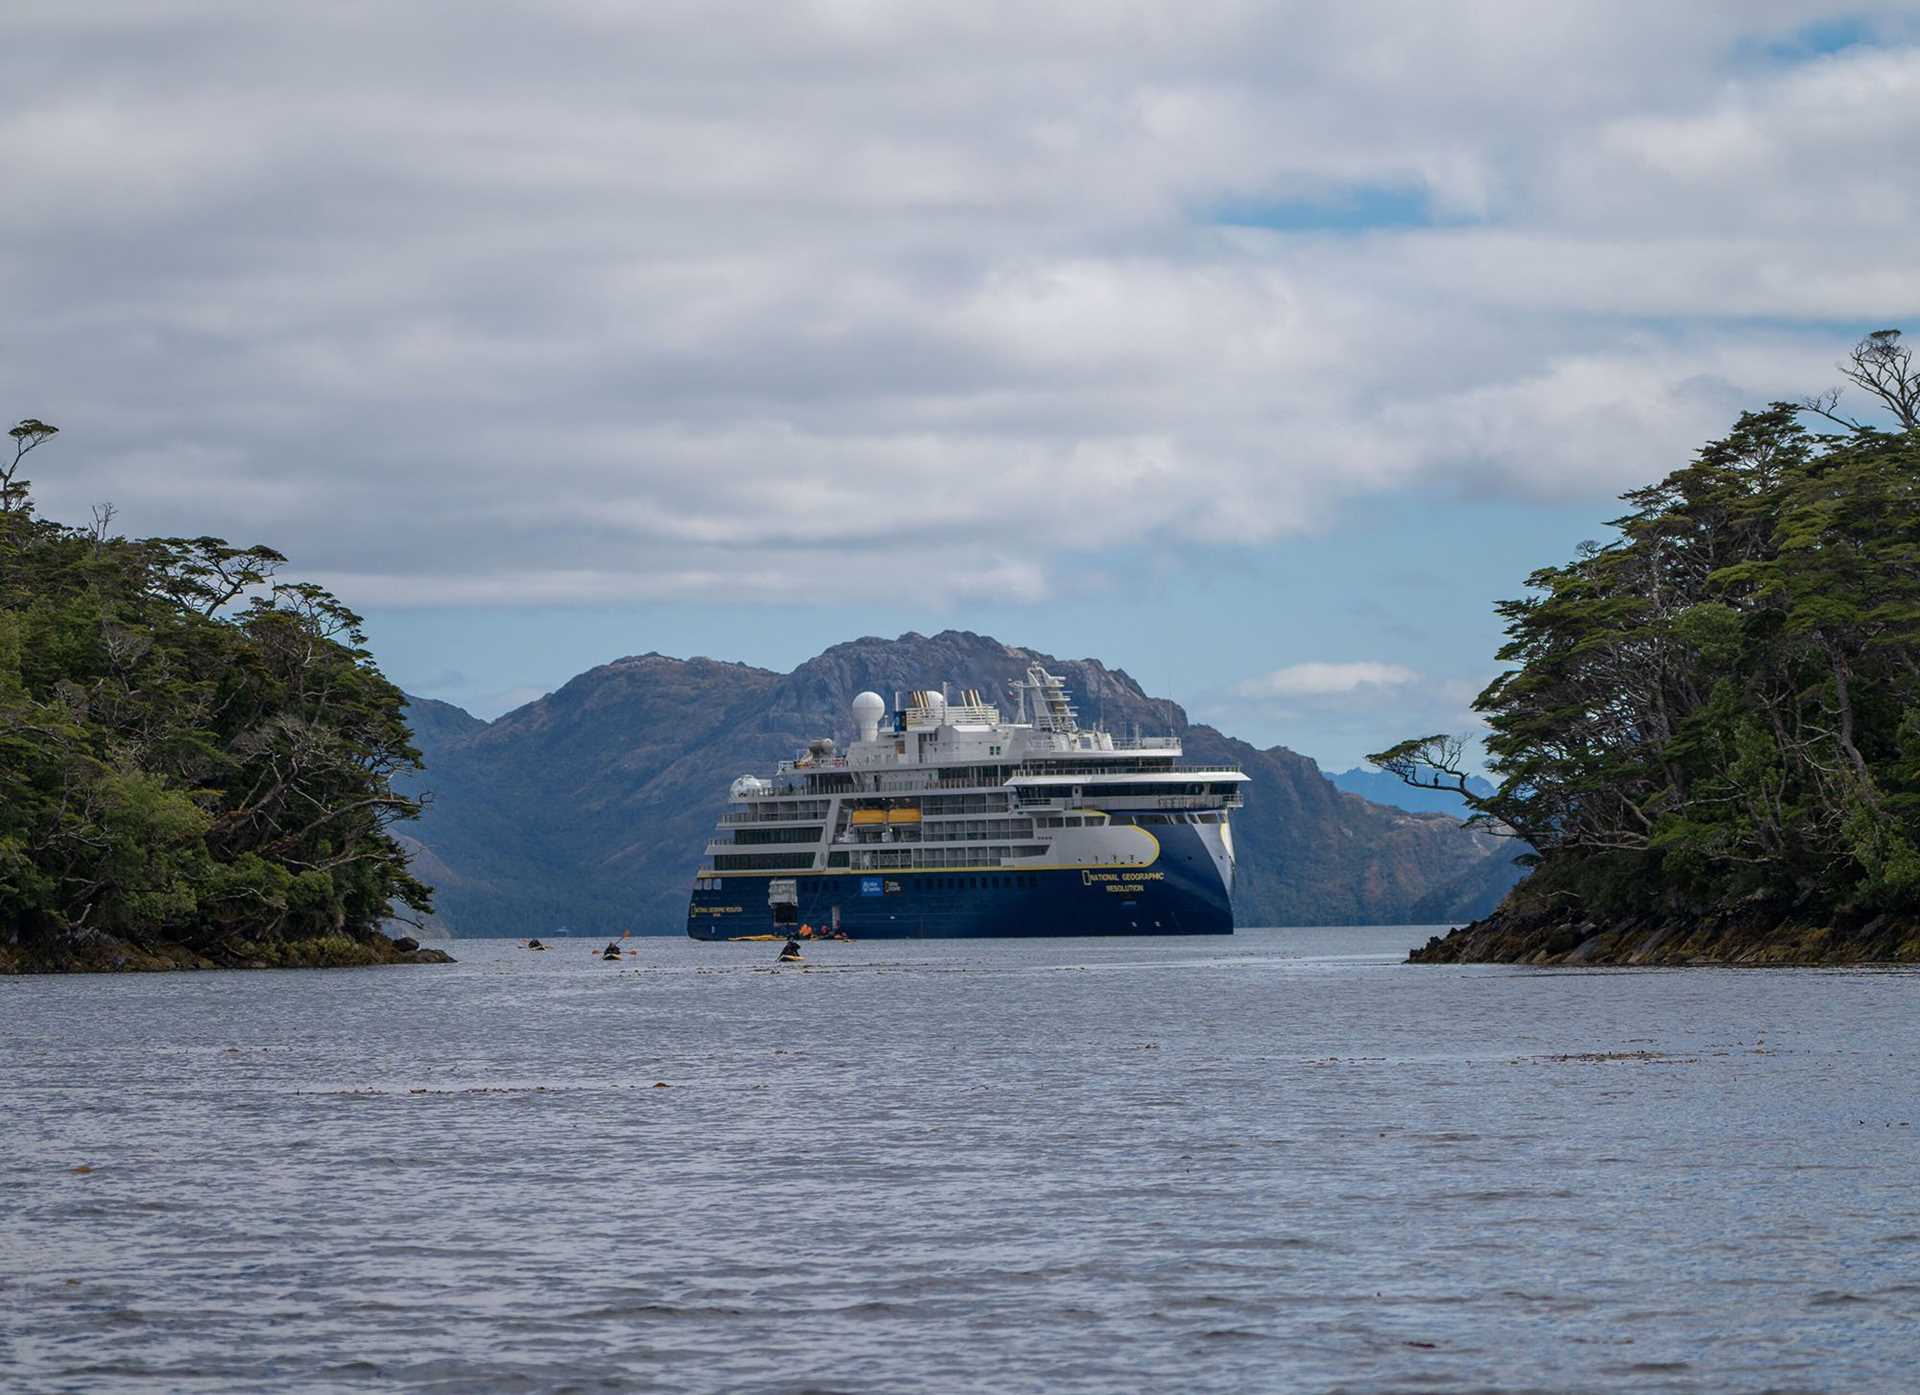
[
  {"x": 588, "y": 808},
  {"x": 1378, "y": 787}
]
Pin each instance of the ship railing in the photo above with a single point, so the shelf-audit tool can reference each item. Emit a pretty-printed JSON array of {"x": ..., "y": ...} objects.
[
  {"x": 1062, "y": 745},
  {"x": 902, "y": 784},
  {"x": 1066, "y": 768},
  {"x": 1001, "y": 854},
  {"x": 798, "y": 850},
  {"x": 1195, "y": 801},
  {"x": 782, "y": 816},
  {"x": 877, "y": 861}
]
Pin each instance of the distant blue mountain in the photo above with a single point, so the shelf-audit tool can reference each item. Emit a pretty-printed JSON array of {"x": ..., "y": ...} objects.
[
  {"x": 1381, "y": 788},
  {"x": 591, "y": 806}
]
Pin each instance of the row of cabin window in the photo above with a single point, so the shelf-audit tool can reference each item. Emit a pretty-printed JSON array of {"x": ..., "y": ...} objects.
[
  {"x": 1095, "y": 789},
  {"x": 1014, "y": 880},
  {"x": 763, "y": 862},
  {"x": 968, "y": 830},
  {"x": 748, "y": 837},
  {"x": 903, "y": 859},
  {"x": 937, "y": 804}
]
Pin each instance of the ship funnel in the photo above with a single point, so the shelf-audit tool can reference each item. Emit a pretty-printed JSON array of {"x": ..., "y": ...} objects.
[{"x": 867, "y": 711}]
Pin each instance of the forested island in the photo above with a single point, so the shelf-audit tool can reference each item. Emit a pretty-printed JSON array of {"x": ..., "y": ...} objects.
[
  {"x": 196, "y": 757},
  {"x": 1708, "y": 733}
]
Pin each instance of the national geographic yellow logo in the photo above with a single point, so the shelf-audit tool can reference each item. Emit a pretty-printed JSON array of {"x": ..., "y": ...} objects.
[{"x": 1123, "y": 883}]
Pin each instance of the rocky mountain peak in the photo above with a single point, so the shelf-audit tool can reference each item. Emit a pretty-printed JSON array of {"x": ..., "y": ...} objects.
[{"x": 590, "y": 807}]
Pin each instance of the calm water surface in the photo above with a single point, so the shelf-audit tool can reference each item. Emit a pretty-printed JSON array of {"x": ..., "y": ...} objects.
[{"x": 1280, "y": 1161}]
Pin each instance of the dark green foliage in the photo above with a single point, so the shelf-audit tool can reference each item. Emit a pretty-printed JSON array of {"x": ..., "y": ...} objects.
[
  {"x": 1723, "y": 706},
  {"x": 190, "y": 753}
]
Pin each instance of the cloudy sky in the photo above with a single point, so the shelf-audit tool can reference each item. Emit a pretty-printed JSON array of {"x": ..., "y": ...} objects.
[{"x": 1255, "y": 348}]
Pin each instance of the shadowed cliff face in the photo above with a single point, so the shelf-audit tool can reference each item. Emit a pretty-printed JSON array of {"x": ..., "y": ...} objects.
[{"x": 589, "y": 808}]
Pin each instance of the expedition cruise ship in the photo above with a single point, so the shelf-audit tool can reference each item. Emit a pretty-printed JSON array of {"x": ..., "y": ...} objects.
[{"x": 945, "y": 820}]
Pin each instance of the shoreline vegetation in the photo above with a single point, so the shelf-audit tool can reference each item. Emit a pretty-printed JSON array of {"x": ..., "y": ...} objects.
[
  {"x": 197, "y": 758},
  {"x": 1706, "y": 736},
  {"x": 1707, "y": 733},
  {"x": 108, "y": 954}
]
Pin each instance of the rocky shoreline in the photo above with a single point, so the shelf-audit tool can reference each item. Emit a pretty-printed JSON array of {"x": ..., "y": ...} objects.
[
  {"x": 109, "y": 954},
  {"x": 1749, "y": 935}
]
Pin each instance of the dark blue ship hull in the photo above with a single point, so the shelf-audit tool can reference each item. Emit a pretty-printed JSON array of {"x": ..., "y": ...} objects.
[{"x": 1181, "y": 893}]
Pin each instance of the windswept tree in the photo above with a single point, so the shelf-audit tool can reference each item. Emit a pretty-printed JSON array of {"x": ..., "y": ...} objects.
[
  {"x": 26, "y": 436},
  {"x": 193, "y": 750},
  {"x": 1881, "y": 365},
  {"x": 1724, "y": 702}
]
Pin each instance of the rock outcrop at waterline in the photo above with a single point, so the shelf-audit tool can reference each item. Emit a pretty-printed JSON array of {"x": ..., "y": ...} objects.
[
  {"x": 1542, "y": 923},
  {"x": 1507, "y": 938},
  {"x": 1707, "y": 728},
  {"x": 110, "y": 954}
]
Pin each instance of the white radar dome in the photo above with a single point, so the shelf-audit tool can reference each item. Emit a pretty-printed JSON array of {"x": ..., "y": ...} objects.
[
  {"x": 937, "y": 704},
  {"x": 868, "y": 708}
]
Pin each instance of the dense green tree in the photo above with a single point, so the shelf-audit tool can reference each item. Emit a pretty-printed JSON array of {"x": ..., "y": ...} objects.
[
  {"x": 1722, "y": 706},
  {"x": 192, "y": 752}
]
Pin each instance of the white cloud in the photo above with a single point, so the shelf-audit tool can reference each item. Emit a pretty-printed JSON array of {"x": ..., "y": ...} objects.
[
  {"x": 1317, "y": 679},
  {"x": 593, "y": 300}
]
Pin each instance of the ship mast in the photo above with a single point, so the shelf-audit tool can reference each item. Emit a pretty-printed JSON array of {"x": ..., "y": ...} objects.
[{"x": 1052, "y": 712}]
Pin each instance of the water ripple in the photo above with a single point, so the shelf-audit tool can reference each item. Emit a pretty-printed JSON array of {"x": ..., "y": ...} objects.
[{"x": 1282, "y": 1162}]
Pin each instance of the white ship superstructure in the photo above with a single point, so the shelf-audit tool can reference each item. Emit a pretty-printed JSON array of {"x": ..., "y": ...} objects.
[{"x": 948, "y": 819}]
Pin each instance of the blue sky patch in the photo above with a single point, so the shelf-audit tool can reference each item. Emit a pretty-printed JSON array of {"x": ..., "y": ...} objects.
[
  {"x": 1351, "y": 211},
  {"x": 1818, "y": 39}
]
